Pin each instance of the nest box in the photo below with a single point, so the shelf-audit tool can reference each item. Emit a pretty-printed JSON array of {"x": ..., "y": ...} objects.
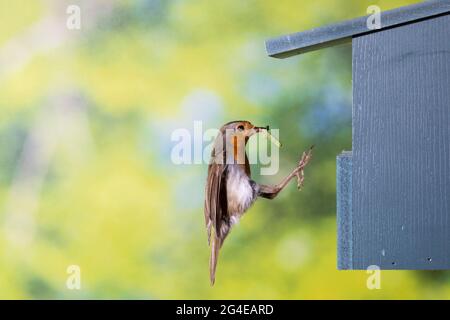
[{"x": 393, "y": 188}]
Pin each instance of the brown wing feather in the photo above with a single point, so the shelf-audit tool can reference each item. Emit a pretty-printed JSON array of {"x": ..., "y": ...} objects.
[
  {"x": 215, "y": 212},
  {"x": 215, "y": 198},
  {"x": 216, "y": 208}
]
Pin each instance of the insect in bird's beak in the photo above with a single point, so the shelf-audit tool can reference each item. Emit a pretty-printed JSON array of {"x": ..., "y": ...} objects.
[{"x": 265, "y": 131}]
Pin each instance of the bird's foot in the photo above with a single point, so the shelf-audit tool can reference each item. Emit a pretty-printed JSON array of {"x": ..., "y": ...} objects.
[{"x": 304, "y": 160}]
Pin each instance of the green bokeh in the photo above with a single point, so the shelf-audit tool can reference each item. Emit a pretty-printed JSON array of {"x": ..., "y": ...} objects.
[{"x": 85, "y": 171}]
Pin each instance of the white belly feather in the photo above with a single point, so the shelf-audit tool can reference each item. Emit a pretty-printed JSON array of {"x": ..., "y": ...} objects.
[{"x": 240, "y": 193}]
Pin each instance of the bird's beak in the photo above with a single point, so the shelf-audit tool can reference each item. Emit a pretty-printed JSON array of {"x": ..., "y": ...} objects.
[{"x": 265, "y": 131}]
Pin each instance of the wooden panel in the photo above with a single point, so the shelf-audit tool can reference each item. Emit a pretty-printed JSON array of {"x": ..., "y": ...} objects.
[
  {"x": 318, "y": 38},
  {"x": 401, "y": 147},
  {"x": 344, "y": 210}
]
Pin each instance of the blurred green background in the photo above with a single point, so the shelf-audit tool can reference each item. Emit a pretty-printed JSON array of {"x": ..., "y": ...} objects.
[{"x": 85, "y": 172}]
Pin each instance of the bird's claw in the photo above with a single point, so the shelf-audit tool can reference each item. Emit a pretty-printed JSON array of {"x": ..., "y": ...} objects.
[{"x": 304, "y": 160}]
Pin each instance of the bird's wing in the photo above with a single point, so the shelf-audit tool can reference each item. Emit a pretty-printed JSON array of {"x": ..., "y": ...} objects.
[
  {"x": 215, "y": 198},
  {"x": 215, "y": 212}
]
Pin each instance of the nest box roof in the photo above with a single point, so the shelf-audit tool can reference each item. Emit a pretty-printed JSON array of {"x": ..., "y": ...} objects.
[{"x": 318, "y": 38}]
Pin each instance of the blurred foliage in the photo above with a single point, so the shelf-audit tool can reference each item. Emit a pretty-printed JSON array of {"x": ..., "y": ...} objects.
[{"x": 108, "y": 197}]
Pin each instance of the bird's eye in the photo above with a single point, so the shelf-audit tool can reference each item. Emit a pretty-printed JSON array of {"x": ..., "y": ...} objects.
[{"x": 241, "y": 128}]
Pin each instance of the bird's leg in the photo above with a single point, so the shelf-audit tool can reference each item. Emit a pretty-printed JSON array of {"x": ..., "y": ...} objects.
[
  {"x": 306, "y": 157},
  {"x": 270, "y": 192}
]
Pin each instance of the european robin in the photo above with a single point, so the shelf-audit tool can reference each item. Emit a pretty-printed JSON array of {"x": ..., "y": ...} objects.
[{"x": 230, "y": 190}]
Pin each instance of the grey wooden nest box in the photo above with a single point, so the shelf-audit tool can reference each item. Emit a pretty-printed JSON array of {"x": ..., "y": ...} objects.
[{"x": 393, "y": 189}]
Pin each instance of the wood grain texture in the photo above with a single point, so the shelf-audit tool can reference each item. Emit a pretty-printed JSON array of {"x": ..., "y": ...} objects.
[
  {"x": 344, "y": 211},
  {"x": 318, "y": 38},
  {"x": 401, "y": 147}
]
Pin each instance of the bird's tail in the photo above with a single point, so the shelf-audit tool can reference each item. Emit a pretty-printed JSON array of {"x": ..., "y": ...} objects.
[{"x": 215, "y": 247}]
